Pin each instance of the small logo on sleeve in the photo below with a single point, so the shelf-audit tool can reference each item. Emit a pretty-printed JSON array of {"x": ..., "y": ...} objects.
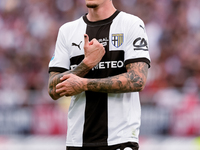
[
  {"x": 52, "y": 58},
  {"x": 78, "y": 45},
  {"x": 142, "y": 27},
  {"x": 140, "y": 44}
]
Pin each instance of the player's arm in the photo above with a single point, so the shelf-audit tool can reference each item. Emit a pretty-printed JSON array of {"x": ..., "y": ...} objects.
[
  {"x": 133, "y": 80},
  {"x": 94, "y": 51},
  {"x": 54, "y": 78}
]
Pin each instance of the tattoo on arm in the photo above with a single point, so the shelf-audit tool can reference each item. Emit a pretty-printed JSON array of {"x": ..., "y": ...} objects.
[
  {"x": 81, "y": 70},
  {"x": 137, "y": 73},
  {"x": 133, "y": 80},
  {"x": 54, "y": 78}
]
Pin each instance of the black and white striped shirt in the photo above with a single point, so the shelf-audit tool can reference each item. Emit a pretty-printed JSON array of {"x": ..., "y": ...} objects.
[{"x": 101, "y": 119}]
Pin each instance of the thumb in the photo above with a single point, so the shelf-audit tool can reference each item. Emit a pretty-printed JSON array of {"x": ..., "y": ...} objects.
[{"x": 86, "y": 39}]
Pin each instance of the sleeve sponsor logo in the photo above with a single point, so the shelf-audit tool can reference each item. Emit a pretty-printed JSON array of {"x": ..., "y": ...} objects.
[
  {"x": 140, "y": 44},
  {"x": 117, "y": 39}
]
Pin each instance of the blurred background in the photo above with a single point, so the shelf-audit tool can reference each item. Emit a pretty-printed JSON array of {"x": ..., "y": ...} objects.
[{"x": 30, "y": 119}]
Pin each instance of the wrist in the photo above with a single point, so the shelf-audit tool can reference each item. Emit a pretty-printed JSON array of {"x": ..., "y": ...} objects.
[
  {"x": 87, "y": 63},
  {"x": 85, "y": 87}
]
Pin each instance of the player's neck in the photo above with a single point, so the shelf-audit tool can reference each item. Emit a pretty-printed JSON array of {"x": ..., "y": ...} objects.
[{"x": 100, "y": 13}]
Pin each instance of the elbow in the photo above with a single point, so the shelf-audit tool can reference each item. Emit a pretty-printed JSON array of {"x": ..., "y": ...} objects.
[
  {"x": 139, "y": 85},
  {"x": 141, "y": 88},
  {"x": 143, "y": 83},
  {"x": 54, "y": 98},
  {"x": 53, "y": 95}
]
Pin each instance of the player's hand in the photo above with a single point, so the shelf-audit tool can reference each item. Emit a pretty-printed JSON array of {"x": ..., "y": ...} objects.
[
  {"x": 70, "y": 85},
  {"x": 94, "y": 51}
]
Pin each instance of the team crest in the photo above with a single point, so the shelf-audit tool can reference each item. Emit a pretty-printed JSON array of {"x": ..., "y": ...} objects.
[{"x": 117, "y": 39}]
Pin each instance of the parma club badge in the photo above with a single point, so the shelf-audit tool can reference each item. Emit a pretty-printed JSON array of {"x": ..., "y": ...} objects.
[{"x": 117, "y": 39}]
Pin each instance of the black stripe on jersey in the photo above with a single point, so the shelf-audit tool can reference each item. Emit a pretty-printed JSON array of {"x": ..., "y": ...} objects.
[
  {"x": 111, "y": 64},
  {"x": 138, "y": 60},
  {"x": 76, "y": 60},
  {"x": 57, "y": 69},
  {"x": 96, "y": 119},
  {"x": 95, "y": 132}
]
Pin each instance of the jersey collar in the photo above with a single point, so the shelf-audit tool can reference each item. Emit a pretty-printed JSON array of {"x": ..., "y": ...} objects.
[{"x": 100, "y": 22}]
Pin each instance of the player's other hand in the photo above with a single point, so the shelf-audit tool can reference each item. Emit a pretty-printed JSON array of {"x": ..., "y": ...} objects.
[
  {"x": 71, "y": 85},
  {"x": 94, "y": 51}
]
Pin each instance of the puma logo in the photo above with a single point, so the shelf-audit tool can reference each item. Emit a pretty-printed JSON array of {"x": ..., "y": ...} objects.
[
  {"x": 142, "y": 27},
  {"x": 78, "y": 45}
]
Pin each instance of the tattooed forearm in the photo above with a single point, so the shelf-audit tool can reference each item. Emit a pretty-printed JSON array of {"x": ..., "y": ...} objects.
[
  {"x": 137, "y": 73},
  {"x": 81, "y": 70},
  {"x": 133, "y": 80},
  {"x": 54, "y": 78}
]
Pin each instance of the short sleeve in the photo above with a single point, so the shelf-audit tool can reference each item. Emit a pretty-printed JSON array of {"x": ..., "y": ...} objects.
[
  {"x": 137, "y": 47},
  {"x": 60, "y": 60}
]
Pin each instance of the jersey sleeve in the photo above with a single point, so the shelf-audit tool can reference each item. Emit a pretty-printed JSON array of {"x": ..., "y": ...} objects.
[
  {"x": 60, "y": 60},
  {"x": 137, "y": 47}
]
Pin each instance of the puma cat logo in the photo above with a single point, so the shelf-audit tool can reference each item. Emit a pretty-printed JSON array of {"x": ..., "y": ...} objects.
[{"x": 78, "y": 45}]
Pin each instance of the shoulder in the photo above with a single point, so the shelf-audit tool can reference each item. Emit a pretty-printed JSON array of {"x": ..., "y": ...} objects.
[
  {"x": 129, "y": 19},
  {"x": 70, "y": 26}
]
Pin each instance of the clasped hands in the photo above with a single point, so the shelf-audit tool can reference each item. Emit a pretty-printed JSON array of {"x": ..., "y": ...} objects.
[{"x": 72, "y": 84}]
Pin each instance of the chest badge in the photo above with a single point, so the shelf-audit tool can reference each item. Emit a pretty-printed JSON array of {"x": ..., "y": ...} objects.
[{"x": 117, "y": 39}]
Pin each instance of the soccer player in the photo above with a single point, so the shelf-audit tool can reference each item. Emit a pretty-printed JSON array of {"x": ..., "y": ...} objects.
[{"x": 101, "y": 60}]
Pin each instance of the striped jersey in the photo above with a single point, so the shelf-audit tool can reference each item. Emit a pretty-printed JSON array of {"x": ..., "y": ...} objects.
[{"x": 94, "y": 118}]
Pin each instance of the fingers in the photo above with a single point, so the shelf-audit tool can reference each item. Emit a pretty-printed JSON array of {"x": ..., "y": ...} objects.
[
  {"x": 60, "y": 90},
  {"x": 86, "y": 39},
  {"x": 87, "y": 42},
  {"x": 64, "y": 77},
  {"x": 61, "y": 87},
  {"x": 91, "y": 42}
]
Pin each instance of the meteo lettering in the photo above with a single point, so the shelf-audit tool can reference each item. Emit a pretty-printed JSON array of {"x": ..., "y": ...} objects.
[{"x": 105, "y": 65}]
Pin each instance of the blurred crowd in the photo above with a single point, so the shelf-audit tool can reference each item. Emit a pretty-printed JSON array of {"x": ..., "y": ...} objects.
[{"x": 28, "y": 31}]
